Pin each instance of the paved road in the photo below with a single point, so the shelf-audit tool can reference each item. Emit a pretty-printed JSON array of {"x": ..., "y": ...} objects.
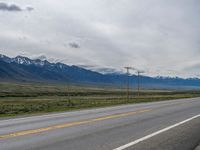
[{"x": 169, "y": 125}]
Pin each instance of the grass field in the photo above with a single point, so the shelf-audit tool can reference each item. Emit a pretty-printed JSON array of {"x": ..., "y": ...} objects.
[{"x": 32, "y": 98}]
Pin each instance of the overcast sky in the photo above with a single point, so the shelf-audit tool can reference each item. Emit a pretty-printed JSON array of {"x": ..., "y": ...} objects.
[{"x": 161, "y": 37}]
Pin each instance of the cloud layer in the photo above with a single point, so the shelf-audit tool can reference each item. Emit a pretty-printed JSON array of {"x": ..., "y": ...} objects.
[
  {"x": 7, "y": 7},
  {"x": 74, "y": 45},
  {"x": 13, "y": 7},
  {"x": 158, "y": 36}
]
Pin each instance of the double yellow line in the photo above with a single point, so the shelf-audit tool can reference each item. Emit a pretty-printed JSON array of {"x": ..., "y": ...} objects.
[{"x": 60, "y": 126}]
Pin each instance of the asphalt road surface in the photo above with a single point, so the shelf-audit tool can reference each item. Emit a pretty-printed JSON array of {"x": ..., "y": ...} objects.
[{"x": 168, "y": 125}]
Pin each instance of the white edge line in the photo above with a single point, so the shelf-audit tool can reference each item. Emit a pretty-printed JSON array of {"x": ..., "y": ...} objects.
[{"x": 155, "y": 133}]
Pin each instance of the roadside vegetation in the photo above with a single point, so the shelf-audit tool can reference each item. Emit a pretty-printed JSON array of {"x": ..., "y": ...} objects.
[{"x": 32, "y": 98}]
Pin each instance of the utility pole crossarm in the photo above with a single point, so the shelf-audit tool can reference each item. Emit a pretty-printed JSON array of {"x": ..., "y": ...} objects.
[{"x": 127, "y": 69}]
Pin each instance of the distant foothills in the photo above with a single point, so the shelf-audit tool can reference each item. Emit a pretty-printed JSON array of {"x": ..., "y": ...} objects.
[{"x": 24, "y": 69}]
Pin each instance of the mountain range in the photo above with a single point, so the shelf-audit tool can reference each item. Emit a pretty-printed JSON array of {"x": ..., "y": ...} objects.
[{"x": 24, "y": 69}]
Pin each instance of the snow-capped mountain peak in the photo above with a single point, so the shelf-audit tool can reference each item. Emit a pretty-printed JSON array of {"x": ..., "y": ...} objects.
[
  {"x": 26, "y": 61},
  {"x": 39, "y": 62},
  {"x": 22, "y": 60}
]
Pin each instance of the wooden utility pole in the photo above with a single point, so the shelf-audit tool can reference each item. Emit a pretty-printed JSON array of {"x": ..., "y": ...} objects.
[
  {"x": 138, "y": 87},
  {"x": 128, "y": 86}
]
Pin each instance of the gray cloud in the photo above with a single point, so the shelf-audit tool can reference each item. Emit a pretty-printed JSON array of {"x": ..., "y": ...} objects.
[
  {"x": 13, "y": 7},
  {"x": 29, "y": 8},
  {"x": 74, "y": 45},
  {"x": 9, "y": 7},
  {"x": 41, "y": 57}
]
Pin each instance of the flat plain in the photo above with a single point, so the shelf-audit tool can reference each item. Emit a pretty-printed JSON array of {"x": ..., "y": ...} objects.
[{"x": 36, "y": 98}]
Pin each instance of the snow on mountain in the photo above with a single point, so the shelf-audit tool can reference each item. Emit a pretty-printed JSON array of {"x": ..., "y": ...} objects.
[
  {"x": 22, "y": 60},
  {"x": 26, "y": 61},
  {"x": 5, "y": 58}
]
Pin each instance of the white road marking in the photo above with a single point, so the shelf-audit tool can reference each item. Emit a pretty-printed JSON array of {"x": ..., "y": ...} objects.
[{"x": 155, "y": 133}]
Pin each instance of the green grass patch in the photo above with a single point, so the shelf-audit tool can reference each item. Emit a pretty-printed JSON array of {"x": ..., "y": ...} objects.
[{"x": 32, "y": 98}]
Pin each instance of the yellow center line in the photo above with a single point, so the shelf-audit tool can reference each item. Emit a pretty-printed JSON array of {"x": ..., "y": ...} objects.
[{"x": 60, "y": 126}]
